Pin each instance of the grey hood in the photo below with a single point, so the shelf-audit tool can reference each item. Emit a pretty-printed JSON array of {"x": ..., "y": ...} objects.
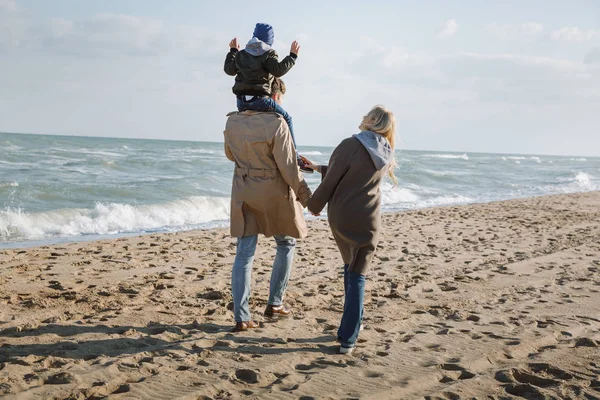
[
  {"x": 378, "y": 147},
  {"x": 257, "y": 47}
]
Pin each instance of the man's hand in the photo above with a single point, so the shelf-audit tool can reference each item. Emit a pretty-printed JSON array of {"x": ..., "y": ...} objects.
[
  {"x": 295, "y": 49},
  {"x": 234, "y": 44}
]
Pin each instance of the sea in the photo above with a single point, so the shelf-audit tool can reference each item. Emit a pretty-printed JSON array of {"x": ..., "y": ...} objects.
[{"x": 56, "y": 189}]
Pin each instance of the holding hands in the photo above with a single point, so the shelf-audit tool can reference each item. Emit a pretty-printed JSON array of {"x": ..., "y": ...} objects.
[
  {"x": 309, "y": 164},
  {"x": 314, "y": 167}
]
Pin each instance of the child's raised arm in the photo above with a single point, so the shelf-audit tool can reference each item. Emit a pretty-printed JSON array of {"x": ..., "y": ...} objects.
[
  {"x": 229, "y": 67},
  {"x": 278, "y": 69}
]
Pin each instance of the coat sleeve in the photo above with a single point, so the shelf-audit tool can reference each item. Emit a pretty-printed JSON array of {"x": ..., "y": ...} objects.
[
  {"x": 229, "y": 67},
  {"x": 228, "y": 152},
  {"x": 276, "y": 68},
  {"x": 332, "y": 175},
  {"x": 284, "y": 153}
]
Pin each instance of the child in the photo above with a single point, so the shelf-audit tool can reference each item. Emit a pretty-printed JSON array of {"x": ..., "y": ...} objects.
[{"x": 254, "y": 69}]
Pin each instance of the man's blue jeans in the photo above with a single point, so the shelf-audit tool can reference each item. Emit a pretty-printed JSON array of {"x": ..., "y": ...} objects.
[
  {"x": 241, "y": 276},
  {"x": 354, "y": 290},
  {"x": 267, "y": 104}
]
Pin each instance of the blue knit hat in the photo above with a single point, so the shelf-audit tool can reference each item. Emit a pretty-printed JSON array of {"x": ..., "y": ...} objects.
[{"x": 264, "y": 33}]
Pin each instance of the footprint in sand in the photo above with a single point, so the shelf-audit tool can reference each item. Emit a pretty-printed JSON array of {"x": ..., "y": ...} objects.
[
  {"x": 247, "y": 375},
  {"x": 452, "y": 372}
]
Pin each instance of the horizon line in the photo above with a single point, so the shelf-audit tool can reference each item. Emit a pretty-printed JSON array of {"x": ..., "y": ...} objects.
[{"x": 333, "y": 146}]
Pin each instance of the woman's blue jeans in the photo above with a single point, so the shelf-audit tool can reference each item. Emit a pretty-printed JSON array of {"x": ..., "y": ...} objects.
[
  {"x": 241, "y": 276},
  {"x": 354, "y": 290}
]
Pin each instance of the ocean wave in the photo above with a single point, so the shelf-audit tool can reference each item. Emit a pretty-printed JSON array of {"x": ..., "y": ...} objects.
[
  {"x": 446, "y": 200},
  {"x": 100, "y": 153},
  {"x": 448, "y": 156},
  {"x": 9, "y": 184},
  {"x": 584, "y": 181},
  {"x": 112, "y": 218},
  {"x": 193, "y": 151},
  {"x": 580, "y": 182},
  {"x": 391, "y": 195},
  {"x": 517, "y": 159},
  {"x": 311, "y": 153}
]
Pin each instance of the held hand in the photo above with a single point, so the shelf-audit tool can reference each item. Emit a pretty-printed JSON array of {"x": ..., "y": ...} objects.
[
  {"x": 308, "y": 163},
  {"x": 234, "y": 44},
  {"x": 315, "y": 215},
  {"x": 295, "y": 49}
]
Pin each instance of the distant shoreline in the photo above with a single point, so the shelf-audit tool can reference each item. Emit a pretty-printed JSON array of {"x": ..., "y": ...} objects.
[{"x": 398, "y": 150}]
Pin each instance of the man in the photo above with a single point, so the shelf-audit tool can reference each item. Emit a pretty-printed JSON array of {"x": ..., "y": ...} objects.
[{"x": 267, "y": 197}]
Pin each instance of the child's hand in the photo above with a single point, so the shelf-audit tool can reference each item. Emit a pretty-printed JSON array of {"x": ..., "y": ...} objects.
[
  {"x": 234, "y": 44},
  {"x": 295, "y": 49}
]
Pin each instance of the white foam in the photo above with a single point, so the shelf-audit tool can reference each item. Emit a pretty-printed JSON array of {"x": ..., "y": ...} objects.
[
  {"x": 311, "y": 153},
  {"x": 581, "y": 182},
  {"x": 99, "y": 153},
  {"x": 9, "y": 184},
  {"x": 448, "y": 156},
  {"x": 584, "y": 181},
  {"x": 444, "y": 201},
  {"x": 396, "y": 195},
  {"x": 112, "y": 218},
  {"x": 579, "y": 159},
  {"x": 518, "y": 159},
  {"x": 193, "y": 151}
]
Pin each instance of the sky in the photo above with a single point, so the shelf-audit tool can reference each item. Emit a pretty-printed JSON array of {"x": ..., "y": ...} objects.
[{"x": 505, "y": 76}]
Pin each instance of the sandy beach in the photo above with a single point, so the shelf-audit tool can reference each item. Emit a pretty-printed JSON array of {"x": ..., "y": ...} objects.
[{"x": 486, "y": 301}]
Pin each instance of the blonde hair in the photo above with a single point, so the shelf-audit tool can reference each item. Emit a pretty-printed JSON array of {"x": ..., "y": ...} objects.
[{"x": 383, "y": 122}]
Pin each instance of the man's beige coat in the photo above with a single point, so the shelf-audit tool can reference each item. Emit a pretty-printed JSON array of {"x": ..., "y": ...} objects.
[{"x": 268, "y": 191}]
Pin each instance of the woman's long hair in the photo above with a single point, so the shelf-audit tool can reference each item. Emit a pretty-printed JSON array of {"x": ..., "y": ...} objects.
[{"x": 383, "y": 122}]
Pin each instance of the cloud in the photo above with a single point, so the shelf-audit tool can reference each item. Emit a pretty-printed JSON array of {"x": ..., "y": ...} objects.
[
  {"x": 9, "y": 6},
  {"x": 513, "y": 30},
  {"x": 529, "y": 81},
  {"x": 449, "y": 29},
  {"x": 104, "y": 33},
  {"x": 575, "y": 34},
  {"x": 108, "y": 35},
  {"x": 593, "y": 57},
  {"x": 13, "y": 25},
  {"x": 302, "y": 37},
  {"x": 398, "y": 57}
]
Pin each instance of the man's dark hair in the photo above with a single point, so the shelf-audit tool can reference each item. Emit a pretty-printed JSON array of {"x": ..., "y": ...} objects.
[{"x": 277, "y": 86}]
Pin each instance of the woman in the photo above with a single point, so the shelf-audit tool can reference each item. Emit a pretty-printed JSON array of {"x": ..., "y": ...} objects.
[{"x": 350, "y": 187}]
